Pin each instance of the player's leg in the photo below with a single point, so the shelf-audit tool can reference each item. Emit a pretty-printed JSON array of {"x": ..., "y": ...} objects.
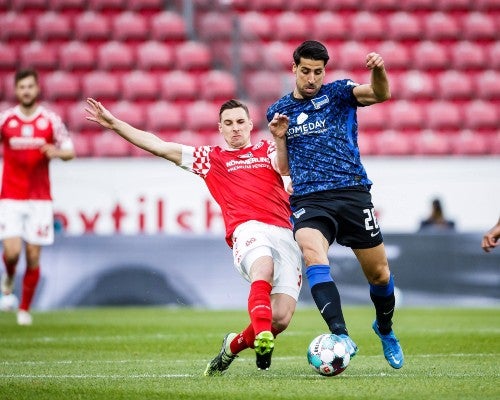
[
  {"x": 11, "y": 232},
  {"x": 376, "y": 269},
  {"x": 11, "y": 251}
]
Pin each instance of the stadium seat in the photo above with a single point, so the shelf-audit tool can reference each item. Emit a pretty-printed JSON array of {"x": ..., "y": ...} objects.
[
  {"x": 53, "y": 26},
  {"x": 366, "y": 25},
  {"x": 418, "y": 5},
  {"x": 416, "y": 84},
  {"x": 4, "y": 5},
  {"x": 487, "y": 5},
  {"x": 67, "y": 5},
  {"x": 328, "y": 26},
  {"x": 145, "y": 5},
  {"x": 38, "y": 55},
  {"x": 488, "y": 85},
  {"x": 429, "y": 55},
  {"x": 441, "y": 26},
  {"x": 115, "y": 55},
  {"x": 305, "y": 5},
  {"x": 202, "y": 116},
  {"x": 342, "y": 5},
  {"x": 140, "y": 85},
  {"x": 168, "y": 26},
  {"x": 218, "y": 85},
  {"x": 352, "y": 55},
  {"x": 430, "y": 143},
  {"x": 268, "y": 5},
  {"x": 455, "y": 5},
  {"x": 255, "y": 26},
  {"x": 28, "y": 5},
  {"x": 479, "y": 26},
  {"x": 264, "y": 85},
  {"x": 403, "y": 25},
  {"x": 154, "y": 55},
  {"x": 193, "y": 56},
  {"x": 8, "y": 56},
  {"x": 469, "y": 144},
  {"x": 468, "y": 55},
  {"x": 393, "y": 143},
  {"x": 92, "y": 25},
  {"x": 396, "y": 55},
  {"x": 7, "y": 84},
  {"x": 493, "y": 55},
  {"x": 110, "y": 144},
  {"x": 278, "y": 56},
  {"x": 373, "y": 118},
  {"x": 291, "y": 26},
  {"x": 61, "y": 85},
  {"x": 443, "y": 114},
  {"x": 15, "y": 26},
  {"x": 164, "y": 116},
  {"x": 215, "y": 25},
  {"x": 76, "y": 56},
  {"x": 366, "y": 144},
  {"x": 481, "y": 114},
  {"x": 129, "y": 25},
  {"x": 454, "y": 85},
  {"x": 179, "y": 85},
  {"x": 106, "y": 5},
  {"x": 75, "y": 118},
  {"x": 250, "y": 55},
  {"x": 382, "y": 5},
  {"x": 83, "y": 144},
  {"x": 406, "y": 115},
  {"x": 101, "y": 85},
  {"x": 130, "y": 112}
]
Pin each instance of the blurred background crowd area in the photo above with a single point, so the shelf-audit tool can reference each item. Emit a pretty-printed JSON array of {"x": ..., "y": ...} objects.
[{"x": 166, "y": 66}]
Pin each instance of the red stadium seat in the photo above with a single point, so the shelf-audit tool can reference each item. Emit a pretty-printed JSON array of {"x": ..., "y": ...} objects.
[
  {"x": 256, "y": 26},
  {"x": 405, "y": 115},
  {"x": 431, "y": 143},
  {"x": 382, "y": 5},
  {"x": 140, "y": 85},
  {"x": 130, "y": 112},
  {"x": 83, "y": 144},
  {"x": 215, "y": 25},
  {"x": 15, "y": 26},
  {"x": 493, "y": 55},
  {"x": 396, "y": 55},
  {"x": 302, "y": 5},
  {"x": 373, "y": 118},
  {"x": 444, "y": 115},
  {"x": 7, "y": 84},
  {"x": 404, "y": 26},
  {"x": 480, "y": 26},
  {"x": 468, "y": 143},
  {"x": 61, "y": 85},
  {"x": 4, "y": 5},
  {"x": 38, "y": 55},
  {"x": 366, "y": 144},
  {"x": 106, "y": 5},
  {"x": 164, "y": 116},
  {"x": 168, "y": 26},
  {"x": 291, "y": 26},
  {"x": 218, "y": 85},
  {"x": 264, "y": 86},
  {"x": 52, "y": 25},
  {"x": 129, "y": 25},
  {"x": 481, "y": 114},
  {"x": 193, "y": 55},
  {"x": 92, "y": 26},
  {"x": 352, "y": 55},
  {"x": 416, "y": 84},
  {"x": 414, "y": 5},
  {"x": 179, "y": 85},
  {"x": 367, "y": 26},
  {"x": 455, "y": 5},
  {"x": 441, "y": 26},
  {"x": 468, "y": 55},
  {"x": 488, "y": 84},
  {"x": 268, "y": 5},
  {"x": 454, "y": 85},
  {"x": 8, "y": 56},
  {"x": 328, "y": 25},
  {"x": 487, "y": 5},
  {"x": 101, "y": 85},
  {"x": 28, "y": 5},
  {"x": 145, "y": 5},
  {"x": 250, "y": 55},
  {"x": 115, "y": 56},
  {"x": 75, "y": 118},
  {"x": 67, "y": 5},
  {"x": 392, "y": 143},
  {"x": 154, "y": 55},
  {"x": 76, "y": 55},
  {"x": 202, "y": 116},
  {"x": 429, "y": 55},
  {"x": 278, "y": 56},
  {"x": 110, "y": 144}
]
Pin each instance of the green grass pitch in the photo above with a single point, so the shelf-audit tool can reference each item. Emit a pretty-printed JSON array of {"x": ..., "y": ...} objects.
[{"x": 161, "y": 353}]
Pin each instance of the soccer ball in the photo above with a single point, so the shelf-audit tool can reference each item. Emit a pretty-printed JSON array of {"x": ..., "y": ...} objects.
[
  {"x": 327, "y": 355},
  {"x": 9, "y": 302}
]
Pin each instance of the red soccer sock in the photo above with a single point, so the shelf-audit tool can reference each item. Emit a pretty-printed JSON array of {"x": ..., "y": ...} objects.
[
  {"x": 10, "y": 268},
  {"x": 259, "y": 306},
  {"x": 30, "y": 283},
  {"x": 242, "y": 339}
]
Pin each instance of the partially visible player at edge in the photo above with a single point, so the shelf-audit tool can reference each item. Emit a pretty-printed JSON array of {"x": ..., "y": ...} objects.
[
  {"x": 244, "y": 181},
  {"x": 490, "y": 238},
  {"x": 31, "y": 136},
  {"x": 331, "y": 197}
]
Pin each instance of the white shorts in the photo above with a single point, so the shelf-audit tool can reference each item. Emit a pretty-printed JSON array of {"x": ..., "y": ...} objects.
[
  {"x": 32, "y": 220},
  {"x": 255, "y": 239}
]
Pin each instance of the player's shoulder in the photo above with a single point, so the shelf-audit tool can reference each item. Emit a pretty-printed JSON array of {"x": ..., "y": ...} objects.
[
  {"x": 6, "y": 114},
  {"x": 48, "y": 113}
]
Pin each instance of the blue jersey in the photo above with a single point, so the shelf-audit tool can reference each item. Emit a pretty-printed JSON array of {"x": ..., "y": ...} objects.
[{"x": 322, "y": 139}]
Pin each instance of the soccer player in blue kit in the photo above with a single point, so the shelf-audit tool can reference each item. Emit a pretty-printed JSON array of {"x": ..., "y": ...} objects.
[{"x": 331, "y": 197}]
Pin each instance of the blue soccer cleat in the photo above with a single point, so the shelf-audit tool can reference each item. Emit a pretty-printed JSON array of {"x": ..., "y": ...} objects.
[
  {"x": 393, "y": 352},
  {"x": 349, "y": 345}
]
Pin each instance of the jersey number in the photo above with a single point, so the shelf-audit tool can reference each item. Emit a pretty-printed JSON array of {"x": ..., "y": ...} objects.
[{"x": 370, "y": 220}]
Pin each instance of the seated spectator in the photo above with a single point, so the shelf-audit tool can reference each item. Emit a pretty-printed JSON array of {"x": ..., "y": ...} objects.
[{"x": 436, "y": 222}]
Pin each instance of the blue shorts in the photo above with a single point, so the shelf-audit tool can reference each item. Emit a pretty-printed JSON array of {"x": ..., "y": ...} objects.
[{"x": 346, "y": 215}]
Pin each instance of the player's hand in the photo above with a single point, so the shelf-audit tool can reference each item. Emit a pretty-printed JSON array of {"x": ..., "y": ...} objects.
[
  {"x": 374, "y": 60},
  {"x": 279, "y": 125},
  {"x": 50, "y": 151},
  {"x": 490, "y": 238},
  {"x": 98, "y": 113}
]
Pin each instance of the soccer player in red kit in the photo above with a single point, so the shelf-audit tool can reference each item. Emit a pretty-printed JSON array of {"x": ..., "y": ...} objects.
[
  {"x": 31, "y": 136},
  {"x": 244, "y": 181}
]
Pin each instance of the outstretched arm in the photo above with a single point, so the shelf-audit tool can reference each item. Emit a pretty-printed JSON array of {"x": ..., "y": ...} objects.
[
  {"x": 145, "y": 140},
  {"x": 377, "y": 90},
  {"x": 490, "y": 238},
  {"x": 278, "y": 127}
]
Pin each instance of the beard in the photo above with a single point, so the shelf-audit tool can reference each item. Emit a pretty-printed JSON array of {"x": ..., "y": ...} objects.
[{"x": 28, "y": 102}]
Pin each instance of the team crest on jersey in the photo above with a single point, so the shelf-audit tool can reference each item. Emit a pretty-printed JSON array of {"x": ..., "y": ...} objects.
[
  {"x": 42, "y": 123},
  {"x": 258, "y": 146},
  {"x": 13, "y": 123},
  {"x": 302, "y": 118},
  {"x": 320, "y": 101},
  {"x": 27, "y": 130},
  {"x": 246, "y": 155}
]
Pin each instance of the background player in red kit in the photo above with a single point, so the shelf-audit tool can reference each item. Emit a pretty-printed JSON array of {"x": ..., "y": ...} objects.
[
  {"x": 244, "y": 181},
  {"x": 31, "y": 136}
]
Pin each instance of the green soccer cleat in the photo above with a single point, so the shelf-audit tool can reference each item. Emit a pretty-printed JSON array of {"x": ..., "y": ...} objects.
[
  {"x": 223, "y": 360},
  {"x": 264, "y": 346}
]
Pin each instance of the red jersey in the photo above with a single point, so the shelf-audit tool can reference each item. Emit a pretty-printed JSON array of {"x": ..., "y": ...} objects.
[
  {"x": 25, "y": 169},
  {"x": 243, "y": 182}
]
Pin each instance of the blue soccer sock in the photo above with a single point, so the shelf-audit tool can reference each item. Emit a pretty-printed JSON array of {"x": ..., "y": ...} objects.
[{"x": 384, "y": 301}]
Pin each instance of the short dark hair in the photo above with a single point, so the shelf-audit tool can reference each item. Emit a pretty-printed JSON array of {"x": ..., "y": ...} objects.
[
  {"x": 311, "y": 50},
  {"x": 230, "y": 104},
  {"x": 24, "y": 73}
]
